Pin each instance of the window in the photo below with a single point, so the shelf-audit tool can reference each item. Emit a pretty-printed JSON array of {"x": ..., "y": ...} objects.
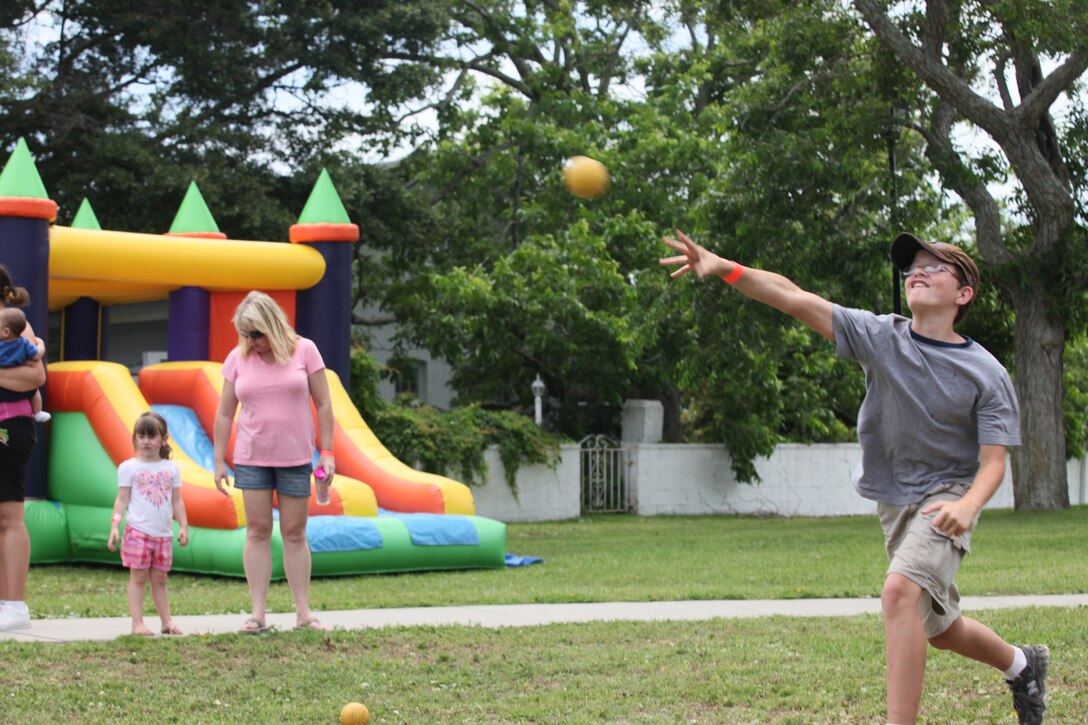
[{"x": 410, "y": 378}]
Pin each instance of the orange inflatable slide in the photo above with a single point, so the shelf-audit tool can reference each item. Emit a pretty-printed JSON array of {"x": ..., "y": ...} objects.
[{"x": 383, "y": 516}]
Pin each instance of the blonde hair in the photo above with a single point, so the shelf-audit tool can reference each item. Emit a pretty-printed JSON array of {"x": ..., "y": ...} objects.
[
  {"x": 259, "y": 313},
  {"x": 152, "y": 424}
]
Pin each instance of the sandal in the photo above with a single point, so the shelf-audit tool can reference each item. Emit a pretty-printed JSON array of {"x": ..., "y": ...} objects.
[
  {"x": 312, "y": 623},
  {"x": 172, "y": 629},
  {"x": 253, "y": 626}
]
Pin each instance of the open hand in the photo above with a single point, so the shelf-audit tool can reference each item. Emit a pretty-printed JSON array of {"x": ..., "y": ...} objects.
[{"x": 692, "y": 257}]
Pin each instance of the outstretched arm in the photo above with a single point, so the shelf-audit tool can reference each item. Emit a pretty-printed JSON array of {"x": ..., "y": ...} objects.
[{"x": 767, "y": 287}]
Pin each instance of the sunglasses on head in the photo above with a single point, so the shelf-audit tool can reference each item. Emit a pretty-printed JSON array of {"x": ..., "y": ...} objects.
[{"x": 254, "y": 334}]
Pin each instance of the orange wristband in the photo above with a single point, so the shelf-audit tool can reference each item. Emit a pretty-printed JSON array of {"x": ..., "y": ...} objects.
[
  {"x": 326, "y": 453},
  {"x": 732, "y": 277}
]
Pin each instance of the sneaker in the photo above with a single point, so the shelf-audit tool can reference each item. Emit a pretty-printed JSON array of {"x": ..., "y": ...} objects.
[
  {"x": 42, "y": 417},
  {"x": 1029, "y": 688},
  {"x": 12, "y": 618}
]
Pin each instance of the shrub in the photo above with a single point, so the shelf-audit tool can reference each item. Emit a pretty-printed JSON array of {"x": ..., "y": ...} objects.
[{"x": 447, "y": 442}]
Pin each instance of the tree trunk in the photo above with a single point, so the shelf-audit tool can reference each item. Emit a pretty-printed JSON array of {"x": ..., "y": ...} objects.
[
  {"x": 1039, "y": 468},
  {"x": 673, "y": 429}
]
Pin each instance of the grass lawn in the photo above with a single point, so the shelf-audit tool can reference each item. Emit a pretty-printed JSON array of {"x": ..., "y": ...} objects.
[
  {"x": 774, "y": 670},
  {"x": 627, "y": 558}
]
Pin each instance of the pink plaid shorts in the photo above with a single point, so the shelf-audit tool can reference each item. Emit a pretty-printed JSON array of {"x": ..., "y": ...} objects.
[{"x": 140, "y": 551}]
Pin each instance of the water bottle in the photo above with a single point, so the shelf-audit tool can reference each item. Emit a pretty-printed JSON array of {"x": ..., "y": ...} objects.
[{"x": 322, "y": 490}]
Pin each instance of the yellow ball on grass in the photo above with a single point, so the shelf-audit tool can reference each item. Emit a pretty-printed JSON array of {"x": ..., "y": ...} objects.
[
  {"x": 586, "y": 177},
  {"x": 354, "y": 713}
]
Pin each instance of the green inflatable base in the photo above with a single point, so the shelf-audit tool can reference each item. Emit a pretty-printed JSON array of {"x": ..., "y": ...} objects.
[{"x": 72, "y": 533}]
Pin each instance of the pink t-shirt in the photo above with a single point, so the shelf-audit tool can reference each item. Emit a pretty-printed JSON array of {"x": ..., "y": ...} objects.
[{"x": 276, "y": 423}]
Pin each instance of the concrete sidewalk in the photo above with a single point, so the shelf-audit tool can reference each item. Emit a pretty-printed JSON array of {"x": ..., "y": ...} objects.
[{"x": 515, "y": 615}]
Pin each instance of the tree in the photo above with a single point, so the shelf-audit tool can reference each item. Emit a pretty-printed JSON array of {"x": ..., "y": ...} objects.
[
  {"x": 757, "y": 125},
  {"x": 127, "y": 103},
  {"x": 754, "y": 124},
  {"x": 802, "y": 191},
  {"x": 525, "y": 278},
  {"x": 1038, "y": 255}
]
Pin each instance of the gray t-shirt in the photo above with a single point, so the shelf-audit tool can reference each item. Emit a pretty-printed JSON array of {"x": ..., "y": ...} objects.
[{"x": 928, "y": 406}]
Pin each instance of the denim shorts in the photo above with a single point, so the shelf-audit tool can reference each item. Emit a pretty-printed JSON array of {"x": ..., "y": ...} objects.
[{"x": 284, "y": 480}]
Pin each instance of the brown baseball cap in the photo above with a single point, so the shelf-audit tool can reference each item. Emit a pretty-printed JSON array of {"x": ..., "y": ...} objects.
[{"x": 906, "y": 245}]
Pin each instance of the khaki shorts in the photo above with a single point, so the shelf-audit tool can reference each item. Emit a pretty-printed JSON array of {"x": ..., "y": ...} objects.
[{"x": 927, "y": 557}]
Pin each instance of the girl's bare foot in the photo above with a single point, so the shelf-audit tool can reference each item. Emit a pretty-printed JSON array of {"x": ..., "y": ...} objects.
[
  {"x": 171, "y": 628},
  {"x": 142, "y": 630}
]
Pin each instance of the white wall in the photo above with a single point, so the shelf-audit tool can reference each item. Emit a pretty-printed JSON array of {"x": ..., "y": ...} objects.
[
  {"x": 695, "y": 479},
  {"x": 797, "y": 480},
  {"x": 544, "y": 494}
]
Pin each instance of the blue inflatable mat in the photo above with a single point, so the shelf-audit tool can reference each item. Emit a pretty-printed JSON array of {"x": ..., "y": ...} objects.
[
  {"x": 342, "y": 533},
  {"x": 515, "y": 560},
  {"x": 437, "y": 529}
]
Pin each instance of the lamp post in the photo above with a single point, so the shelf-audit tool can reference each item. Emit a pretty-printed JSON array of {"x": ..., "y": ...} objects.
[
  {"x": 897, "y": 116},
  {"x": 538, "y": 389}
]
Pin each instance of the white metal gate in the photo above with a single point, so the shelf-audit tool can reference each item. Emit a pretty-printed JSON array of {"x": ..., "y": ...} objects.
[{"x": 604, "y": 476}]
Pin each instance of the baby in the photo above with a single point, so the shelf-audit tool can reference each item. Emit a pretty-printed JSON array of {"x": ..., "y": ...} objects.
[{"x": 16, "y": 350}]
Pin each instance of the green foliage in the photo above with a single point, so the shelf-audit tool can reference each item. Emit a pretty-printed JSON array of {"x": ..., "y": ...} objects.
[
  {"x": 450, "y": 442},
  {"x": 126, "y": 105},
  {"x": 365, "y": 376},
  {"x": 759, "y": 127},
  {"x": 1076, "y": 397},
  {"x": 800, "y": 191},
  {"x": 525, "y": 279}
]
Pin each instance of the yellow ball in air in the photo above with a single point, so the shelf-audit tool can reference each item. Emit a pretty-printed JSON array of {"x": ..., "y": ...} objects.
[{"x": 585, "y": 177}]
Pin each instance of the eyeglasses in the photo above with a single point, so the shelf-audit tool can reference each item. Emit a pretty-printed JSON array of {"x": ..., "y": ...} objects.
[
  {"x": 254, "y": 334},
  {"x": 929, "y": 269}
]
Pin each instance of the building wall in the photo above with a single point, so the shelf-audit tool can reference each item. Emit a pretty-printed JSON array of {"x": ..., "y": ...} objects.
[{"x": 434, "y": 374}]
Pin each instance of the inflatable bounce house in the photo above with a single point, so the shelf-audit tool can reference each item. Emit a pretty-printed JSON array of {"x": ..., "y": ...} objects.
[{"x": 383, "y": 515}]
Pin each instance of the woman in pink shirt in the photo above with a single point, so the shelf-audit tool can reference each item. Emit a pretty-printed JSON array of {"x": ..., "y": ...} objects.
[{"x": 274, "y": 373}]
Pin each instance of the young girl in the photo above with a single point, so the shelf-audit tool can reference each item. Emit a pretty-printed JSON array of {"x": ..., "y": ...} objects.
[{"x": 149, "y": 488}]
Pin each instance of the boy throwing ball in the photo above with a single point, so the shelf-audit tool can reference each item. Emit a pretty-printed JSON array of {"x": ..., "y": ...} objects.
[{"x": 938, "y": 414}]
